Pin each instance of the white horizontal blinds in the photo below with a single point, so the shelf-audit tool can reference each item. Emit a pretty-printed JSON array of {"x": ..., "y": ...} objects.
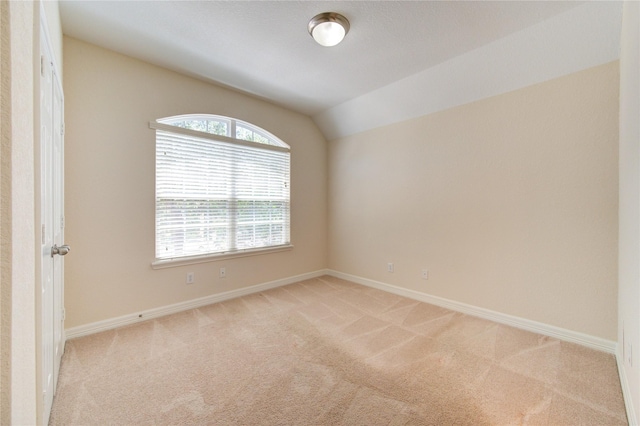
[{"x": 218, "y": 196}]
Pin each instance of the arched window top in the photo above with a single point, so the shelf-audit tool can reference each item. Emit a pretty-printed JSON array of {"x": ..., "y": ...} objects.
[
  {"x": 222, "y": 189},
  {"x": 224, "y": 126}
]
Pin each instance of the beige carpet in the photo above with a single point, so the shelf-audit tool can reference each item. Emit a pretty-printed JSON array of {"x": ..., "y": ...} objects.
[{"x": 330, "y": 352}]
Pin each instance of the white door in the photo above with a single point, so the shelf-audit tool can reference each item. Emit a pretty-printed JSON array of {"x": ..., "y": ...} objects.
[
  {"x": 58, "y": 223},
  {"x": 52, "y": 217}
]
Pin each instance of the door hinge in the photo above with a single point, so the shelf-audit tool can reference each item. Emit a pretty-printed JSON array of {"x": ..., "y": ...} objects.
[
  {"x": 62, "y": 222},
  {"x": 62, "y": 130},
  {"x": 64, "y": 314},
  {"x": 43, "y": 234},
  {"x": 42, "y": 65}
]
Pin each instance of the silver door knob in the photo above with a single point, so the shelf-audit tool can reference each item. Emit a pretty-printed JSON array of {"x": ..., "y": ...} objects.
[{"x": 62, "y": 250}]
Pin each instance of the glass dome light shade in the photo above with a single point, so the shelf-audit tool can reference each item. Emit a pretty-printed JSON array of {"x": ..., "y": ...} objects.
[{"x": 328, "y": 29}]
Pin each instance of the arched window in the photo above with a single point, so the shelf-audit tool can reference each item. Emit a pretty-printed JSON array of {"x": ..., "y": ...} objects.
[{"x": 222, "y": 186}]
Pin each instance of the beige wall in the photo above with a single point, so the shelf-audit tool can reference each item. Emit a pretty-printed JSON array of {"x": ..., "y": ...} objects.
[
  {"x": 5, "y": 217},
  {"x": 5, "y": 222},
  {"x": 18, "y": 286},
  {"x": 510, "y": 202},
  {"x": 110, "y": 160},
  {"x": 629, "y": 263}
]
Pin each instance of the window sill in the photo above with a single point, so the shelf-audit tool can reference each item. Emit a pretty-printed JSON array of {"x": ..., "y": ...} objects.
[{"x": 181, "y": 261}]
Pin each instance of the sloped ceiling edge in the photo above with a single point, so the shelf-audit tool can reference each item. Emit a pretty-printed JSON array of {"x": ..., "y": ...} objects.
[{"x": 581, "y": 38}]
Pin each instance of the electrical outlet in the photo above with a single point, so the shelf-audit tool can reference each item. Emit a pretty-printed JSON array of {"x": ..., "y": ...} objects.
[
  {"x": 425, "y": 274},
  {"x": 223, "y": 272},
  {"x": 191, "y": 278},
  {"x": 389, "y": 267}
]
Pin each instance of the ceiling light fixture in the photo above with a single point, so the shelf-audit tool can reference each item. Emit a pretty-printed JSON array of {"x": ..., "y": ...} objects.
[{"x": 329, "y": 28}]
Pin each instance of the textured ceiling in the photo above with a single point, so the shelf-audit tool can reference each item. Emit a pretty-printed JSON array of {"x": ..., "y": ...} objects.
[{"x": 263, "y": 47}]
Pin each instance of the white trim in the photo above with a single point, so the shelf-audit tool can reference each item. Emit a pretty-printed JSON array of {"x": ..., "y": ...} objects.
[
  {"x": 44, "y": 26},
  {"x": 626, "y": 391},
  {"x": 232, "y": 126},
  {"x": 521, "y": 323},
  {"x": 97, "y": 327},
  {"x": 218, "y": 138},
  {"x": 191, "y": 260}
]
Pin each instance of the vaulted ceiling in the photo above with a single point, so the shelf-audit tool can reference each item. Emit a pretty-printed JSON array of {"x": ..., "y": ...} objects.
[{"x": 396, "y": 54}]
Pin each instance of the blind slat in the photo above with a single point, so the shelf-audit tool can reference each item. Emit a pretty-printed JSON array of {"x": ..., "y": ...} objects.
[{"x": 215, "y": 196}]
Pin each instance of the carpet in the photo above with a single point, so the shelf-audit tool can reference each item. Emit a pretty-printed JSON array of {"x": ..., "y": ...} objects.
[{"x": 327, "y": 351}]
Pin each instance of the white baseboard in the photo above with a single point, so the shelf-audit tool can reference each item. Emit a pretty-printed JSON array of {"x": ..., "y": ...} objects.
[
  {"x": 97, "y": 327},
  {"x": 626, "y": 391},
  {"x": 522, "y": 323},
  {"x": 525, "y": 324}
]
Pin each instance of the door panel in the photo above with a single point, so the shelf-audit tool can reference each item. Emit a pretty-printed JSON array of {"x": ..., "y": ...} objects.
[
  {"x": 52, "y": 225},
  {"x": 46, "y": 296},
  {"x": 58, "y": 224}
]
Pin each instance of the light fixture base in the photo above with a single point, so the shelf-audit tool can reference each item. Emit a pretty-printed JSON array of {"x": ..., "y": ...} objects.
[{"x": 328, "y": 28}]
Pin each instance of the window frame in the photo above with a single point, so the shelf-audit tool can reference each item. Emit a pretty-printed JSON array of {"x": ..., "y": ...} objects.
[{"x": 276, "y": 145}]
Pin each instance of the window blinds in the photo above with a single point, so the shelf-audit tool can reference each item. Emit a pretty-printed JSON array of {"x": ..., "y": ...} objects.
[{"x": 218, "y": 196}]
